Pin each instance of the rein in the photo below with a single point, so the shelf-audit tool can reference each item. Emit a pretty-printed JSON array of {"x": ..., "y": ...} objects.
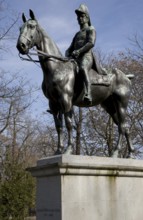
[{"x": 43, "y": 54}]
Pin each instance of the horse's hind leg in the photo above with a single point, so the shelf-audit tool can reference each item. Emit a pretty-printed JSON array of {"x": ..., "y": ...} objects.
[
  {"x": 122, "y": 128},
  {"x": 117, "y": 111},
  {"x": 111, "y": 108},
  {"x": 129, "y": 143}
]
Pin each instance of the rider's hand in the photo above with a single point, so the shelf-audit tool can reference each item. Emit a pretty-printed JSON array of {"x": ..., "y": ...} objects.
[{"x": 75, "y": 53}]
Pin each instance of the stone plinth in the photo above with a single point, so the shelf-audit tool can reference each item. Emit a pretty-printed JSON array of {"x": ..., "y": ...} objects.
[{"x": 89, "y": 188}]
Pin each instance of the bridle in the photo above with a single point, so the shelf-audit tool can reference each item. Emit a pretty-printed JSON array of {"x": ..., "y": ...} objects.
[{"x": 40, "y": 53}]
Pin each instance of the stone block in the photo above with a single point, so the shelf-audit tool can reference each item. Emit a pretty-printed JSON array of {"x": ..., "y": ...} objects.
[{"x": 89, "y": 188}]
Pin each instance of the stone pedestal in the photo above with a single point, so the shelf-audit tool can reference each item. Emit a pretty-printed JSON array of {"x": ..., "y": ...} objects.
[{"x": 89, "y": 188}]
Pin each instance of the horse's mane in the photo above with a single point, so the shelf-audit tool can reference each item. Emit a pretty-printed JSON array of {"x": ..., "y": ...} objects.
[
  {"x": 44, "y": 33},
  {"x": 42, "y": 30}
]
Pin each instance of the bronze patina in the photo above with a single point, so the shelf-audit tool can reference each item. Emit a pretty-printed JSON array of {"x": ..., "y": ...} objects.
[
  {"x": 61, "y": 82},
  {"x": 81, "y": 48}
]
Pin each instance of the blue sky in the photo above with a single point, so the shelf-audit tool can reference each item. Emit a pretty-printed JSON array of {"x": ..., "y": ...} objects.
[{"x": 115, "y": 22}]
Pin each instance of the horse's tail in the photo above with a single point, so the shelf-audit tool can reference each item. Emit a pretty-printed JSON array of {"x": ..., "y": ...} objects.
[{"x": 130, "y": 76}]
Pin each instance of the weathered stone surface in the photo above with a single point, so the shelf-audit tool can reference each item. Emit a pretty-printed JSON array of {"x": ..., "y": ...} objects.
[{"x": 89, "y": 188}]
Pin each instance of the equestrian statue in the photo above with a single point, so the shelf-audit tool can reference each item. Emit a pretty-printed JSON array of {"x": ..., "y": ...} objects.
[{"x": 77, "y": 79}]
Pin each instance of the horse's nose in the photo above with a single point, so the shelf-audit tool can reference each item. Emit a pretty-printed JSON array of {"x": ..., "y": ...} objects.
[{"x": 23, "y": 46}]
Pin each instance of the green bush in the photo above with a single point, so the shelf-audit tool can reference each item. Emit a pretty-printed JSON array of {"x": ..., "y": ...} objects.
[{"x": 17, "y": 191}]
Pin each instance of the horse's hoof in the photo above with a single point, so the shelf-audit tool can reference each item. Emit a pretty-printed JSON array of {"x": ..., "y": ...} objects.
[
  {"x": 130, "y": 156},
  {"x": 49, "y": 111},
  {"x": 69, "y": 151},
  {"x": 115, "y": 154},
  {"x": 58, "y": 152}
]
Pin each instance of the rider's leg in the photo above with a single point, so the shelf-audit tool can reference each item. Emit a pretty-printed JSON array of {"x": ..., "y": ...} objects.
[
  {"x": 88, "y": 87},
  {"x": 85, "y": 66}
]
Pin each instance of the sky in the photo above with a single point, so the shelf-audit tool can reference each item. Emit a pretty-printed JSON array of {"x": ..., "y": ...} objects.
[{"x": 115, "y": 22}]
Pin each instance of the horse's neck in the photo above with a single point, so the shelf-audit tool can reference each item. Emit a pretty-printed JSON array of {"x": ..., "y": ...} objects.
[{"x": 48, "y": 46}]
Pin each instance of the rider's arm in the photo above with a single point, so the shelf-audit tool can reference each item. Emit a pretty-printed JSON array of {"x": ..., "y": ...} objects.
[
  {"x": 91, "y": 37},
  {"x": 69, "y": 51}
]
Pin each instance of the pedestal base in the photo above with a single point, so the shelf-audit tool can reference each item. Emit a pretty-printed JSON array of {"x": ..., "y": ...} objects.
[{"x": 89, "y": 188}]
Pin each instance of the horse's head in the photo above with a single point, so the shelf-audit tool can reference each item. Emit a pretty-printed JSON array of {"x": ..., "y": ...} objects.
[{"x": 28, "y": 37}]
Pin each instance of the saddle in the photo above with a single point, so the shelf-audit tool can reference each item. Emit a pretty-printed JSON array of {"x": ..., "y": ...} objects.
[
  {"x": 101, "y": 77},
  {"x": 96, "y": 79},
  {"x": 102, "y": 81}
]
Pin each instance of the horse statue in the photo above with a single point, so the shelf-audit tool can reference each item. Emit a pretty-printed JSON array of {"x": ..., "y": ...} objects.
[{"x": 64, "y": 88}]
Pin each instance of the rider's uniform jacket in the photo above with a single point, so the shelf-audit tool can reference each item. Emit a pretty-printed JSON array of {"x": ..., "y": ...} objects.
[{"x": 80, "y": 40}]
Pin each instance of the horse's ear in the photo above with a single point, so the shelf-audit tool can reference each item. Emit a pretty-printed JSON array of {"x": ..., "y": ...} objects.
[
  {"x": 32, "y": 14},
  {"x": 23, "y": 18}
]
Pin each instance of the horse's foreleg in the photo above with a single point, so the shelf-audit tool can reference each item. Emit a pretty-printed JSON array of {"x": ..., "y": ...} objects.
[
  {"x": 58, "y": 118},
  {"x": 68, "y": 122}
]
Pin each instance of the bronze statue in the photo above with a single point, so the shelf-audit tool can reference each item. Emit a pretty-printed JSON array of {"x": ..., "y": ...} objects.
[
  {"x": 60, "y": 85},
  {"x": 81, "y": 48}
]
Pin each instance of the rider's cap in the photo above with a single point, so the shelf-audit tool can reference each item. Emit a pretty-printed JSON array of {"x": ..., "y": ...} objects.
[{"x": 83, "y": 9}]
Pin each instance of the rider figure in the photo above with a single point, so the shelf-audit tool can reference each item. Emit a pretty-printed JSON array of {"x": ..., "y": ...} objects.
[{"x": 81, "y": 47}]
